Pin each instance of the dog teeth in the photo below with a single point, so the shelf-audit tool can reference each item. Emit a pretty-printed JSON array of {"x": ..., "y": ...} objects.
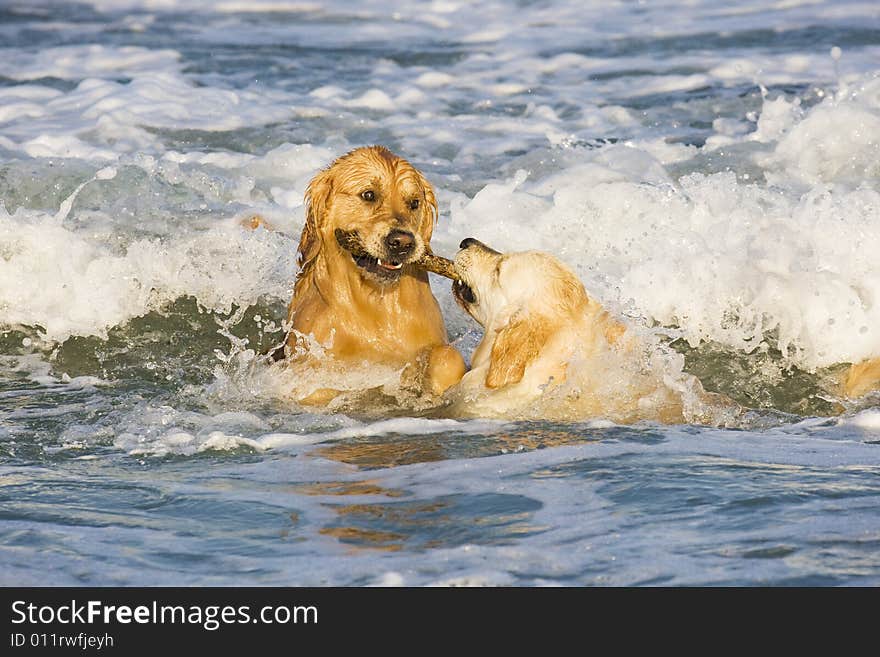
[{"x": 388, "y": 265}]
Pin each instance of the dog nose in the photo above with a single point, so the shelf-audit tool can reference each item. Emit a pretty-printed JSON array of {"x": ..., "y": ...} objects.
[
  {"x": 400, "y": 242},
  {"x": 470, "y": 241}
]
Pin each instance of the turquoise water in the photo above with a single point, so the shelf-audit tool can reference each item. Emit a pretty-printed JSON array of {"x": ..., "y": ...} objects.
[{"x": 709, "y": 171}]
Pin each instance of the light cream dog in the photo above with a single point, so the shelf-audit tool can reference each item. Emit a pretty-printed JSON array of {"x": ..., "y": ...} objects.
[{"x": 551, "y": 351}]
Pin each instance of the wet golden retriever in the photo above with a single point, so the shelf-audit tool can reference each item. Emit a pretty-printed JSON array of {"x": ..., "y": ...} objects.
[
  {"x": 376, "y": 307},
  {"x": 551, "y": 351}
]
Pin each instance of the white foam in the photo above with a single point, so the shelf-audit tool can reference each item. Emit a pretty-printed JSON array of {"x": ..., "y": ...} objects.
[
  {"x": 434, "y": 79},
  {"x": 404, "y": 426},
  {"x": 292, "y": 164},
  {"x": 285, "y": 171},
  {"x": 390, "y": 579},
  {"x": 64, "y": 281},
  {"x": 868, "y": 419},
  {"x": 778, "y": 116},
  {"x": 670, "y": 83},
  {"x": 160, "y": 431},
  {"x": 87, "y": 61},
  {"x": 34, "y": 368},
  {"x": 23, "y": 102},
  {"x": 104, "y": 119},
  {"x": 182, "y": 443},
  {"x": 838, "y": 141},
  {"x": 65, "y": 146},
  {"x": 374, "y": 99},
  {"x": 28, "y": 92}
]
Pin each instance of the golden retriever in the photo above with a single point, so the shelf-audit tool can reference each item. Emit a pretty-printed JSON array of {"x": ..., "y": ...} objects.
[
  {"x": 550, "y": 351},
  {"x": 377, "y": 307}
]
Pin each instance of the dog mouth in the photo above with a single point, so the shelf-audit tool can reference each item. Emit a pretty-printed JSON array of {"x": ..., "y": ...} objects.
[
  {"x": 385, "y": 270},
  {"x": 377, "y": 266},
  {"x": 463, "y": 293}
]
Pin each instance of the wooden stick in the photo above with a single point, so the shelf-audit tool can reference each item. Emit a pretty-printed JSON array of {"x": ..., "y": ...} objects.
[
  {"x": 429, "y": 262},
  {"x": 438, "y": 264}
]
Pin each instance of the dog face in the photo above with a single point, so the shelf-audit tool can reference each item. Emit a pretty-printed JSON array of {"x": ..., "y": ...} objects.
[
  {"x": 494, "y": 287},
  {"x": 383, "y": 199},
  {"x": 521, "y": 299}
]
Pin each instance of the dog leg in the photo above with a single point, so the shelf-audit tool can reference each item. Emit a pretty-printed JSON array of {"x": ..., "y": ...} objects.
[
  {"x": 445, "y": 368},
  {"x": 862, "y": 378}
]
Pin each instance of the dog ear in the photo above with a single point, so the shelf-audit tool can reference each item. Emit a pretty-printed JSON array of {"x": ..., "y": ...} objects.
[
  {"x": 430, "y": 213},
  {"x": 515, "y": 347},
  {"x": 317, "y": 195}
]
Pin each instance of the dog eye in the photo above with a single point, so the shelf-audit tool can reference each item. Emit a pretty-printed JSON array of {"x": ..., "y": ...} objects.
[
  {"x": 368, "y": 195},
  {"x": 414, "y": 204}
]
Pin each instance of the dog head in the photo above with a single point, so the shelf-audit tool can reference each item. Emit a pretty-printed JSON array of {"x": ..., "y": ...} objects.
[
  {"x": 520, "y": 299},
  {"x": 382, "y": 198}
]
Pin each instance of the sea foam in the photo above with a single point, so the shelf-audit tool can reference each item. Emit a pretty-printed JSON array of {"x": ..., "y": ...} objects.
[{"x": 719, "y": 256}]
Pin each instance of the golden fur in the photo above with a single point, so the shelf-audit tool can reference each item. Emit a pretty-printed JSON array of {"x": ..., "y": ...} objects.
[
  {"x": 551, "y": 351},
  {"x": 862, "y": 378},
  {"x": 373, "y": 312}
]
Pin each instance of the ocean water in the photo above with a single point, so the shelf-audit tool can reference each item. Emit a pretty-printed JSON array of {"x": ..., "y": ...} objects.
[{"x": 711, "y": 170}]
